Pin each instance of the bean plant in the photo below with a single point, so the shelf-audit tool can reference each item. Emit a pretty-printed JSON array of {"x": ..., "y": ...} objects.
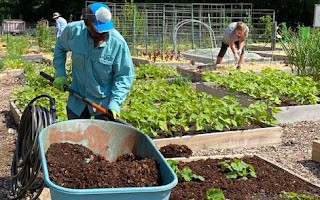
[
  {"x": 237, "y": 169},
  {"x": 275, "y": 87}
]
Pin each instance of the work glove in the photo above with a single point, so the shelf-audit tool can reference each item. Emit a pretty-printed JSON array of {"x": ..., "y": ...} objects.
[
  {"x": 114, "y": 114},
  {"x": 236, "y": 57},
  {"x": 60, "y": 81}
]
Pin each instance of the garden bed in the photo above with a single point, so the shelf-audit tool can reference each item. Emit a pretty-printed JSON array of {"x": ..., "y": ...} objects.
[
  {"x": 316, "y": 150},
  {"x": 271, "y": 181},
  {"x": 226, "y": 139},
  {"x": 288, "y": 114}
]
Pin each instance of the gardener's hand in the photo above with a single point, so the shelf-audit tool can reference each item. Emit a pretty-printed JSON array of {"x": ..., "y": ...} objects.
[
  {"x": 239, "y": 52},
  {"x": 60, "y": 81},
  {"x": 236, "y": 57},
  {"x": 114, "y": 114}
]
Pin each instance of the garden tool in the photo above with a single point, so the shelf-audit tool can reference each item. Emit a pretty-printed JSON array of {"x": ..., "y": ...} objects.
[{"x": 107, "y": 113}]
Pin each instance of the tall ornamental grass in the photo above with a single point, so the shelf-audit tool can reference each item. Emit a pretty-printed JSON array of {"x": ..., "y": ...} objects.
[{"x": 303, "y": 49}]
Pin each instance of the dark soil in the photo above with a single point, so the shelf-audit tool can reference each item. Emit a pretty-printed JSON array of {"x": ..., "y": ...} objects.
[
  {"x": 270, "y": 182},
  {"x": 175, "y": 150},
  {"x": 75, "y": 166}
]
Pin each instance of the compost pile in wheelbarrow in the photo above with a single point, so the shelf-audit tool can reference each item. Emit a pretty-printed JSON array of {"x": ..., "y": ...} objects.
[{"x": 75, "y": 166}]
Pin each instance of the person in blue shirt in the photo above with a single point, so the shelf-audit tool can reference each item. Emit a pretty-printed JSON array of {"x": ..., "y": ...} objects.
[
  {"x": 234, "y": 37},
  {"x": 102, "y": 67},
  {"x": 61, "y": 23}
]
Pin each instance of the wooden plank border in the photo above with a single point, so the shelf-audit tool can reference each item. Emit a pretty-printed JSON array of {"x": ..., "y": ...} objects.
[{"x": 227, "y": 139}]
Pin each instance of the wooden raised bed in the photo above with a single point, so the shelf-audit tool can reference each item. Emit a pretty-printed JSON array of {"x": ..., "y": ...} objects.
[
  {"x": 288, "y": 114},
  {"x": 316, "y": 150},
  {"x": 227, "y": 139},
  {"x": 272, "y": 179}
]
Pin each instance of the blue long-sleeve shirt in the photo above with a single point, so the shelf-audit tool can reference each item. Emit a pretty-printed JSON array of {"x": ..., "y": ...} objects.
[
  {"x": 61, "y": 24},
  {"x": 104, "y": 74}
]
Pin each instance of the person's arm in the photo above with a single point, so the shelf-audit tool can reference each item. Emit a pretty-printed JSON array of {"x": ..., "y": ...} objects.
[
  {"x": 232, "y": 46},
  {"x": 241, "y": 43},
  {"x": 123, "y": 69}
]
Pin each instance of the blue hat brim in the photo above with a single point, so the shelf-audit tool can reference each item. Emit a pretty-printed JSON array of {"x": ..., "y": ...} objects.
[{"x": 103, "y": 27}]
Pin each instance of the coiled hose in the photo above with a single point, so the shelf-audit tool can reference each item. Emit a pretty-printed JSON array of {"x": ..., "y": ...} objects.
[{"x": 26, "y": 163}]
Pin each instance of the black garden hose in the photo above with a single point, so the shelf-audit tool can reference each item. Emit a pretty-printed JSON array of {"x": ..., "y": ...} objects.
[{"x": 26, "y": 163}]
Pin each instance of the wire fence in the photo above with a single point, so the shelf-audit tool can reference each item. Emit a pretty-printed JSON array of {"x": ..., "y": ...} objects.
[{"x": 150, "y": 27}]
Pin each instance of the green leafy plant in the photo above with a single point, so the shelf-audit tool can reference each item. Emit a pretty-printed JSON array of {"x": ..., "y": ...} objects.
[
  {"x": 151, "y": 71},
  {"x": 215, "y": 194},
  {"x": 185, "y": 174},
  {"x": 273, "y": 86},
  {"x": 266, "y": 21},
  {"x": 301, "y": 48},
  {"x": 17, "y": 44},
  {"x": 237, "y": 169},
  {"x": 296, "y": 196},
  {"x": 36, "y": 85},
  {"x": 45, "y": 37},
  {"x": 161, "y": 107}
]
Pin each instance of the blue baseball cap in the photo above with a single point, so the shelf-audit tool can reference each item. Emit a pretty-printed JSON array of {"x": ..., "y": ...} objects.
[{"x": 102, "y": 17}]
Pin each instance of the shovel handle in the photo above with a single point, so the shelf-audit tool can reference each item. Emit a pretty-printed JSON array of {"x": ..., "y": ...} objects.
[{"x": 88, "y": 101}]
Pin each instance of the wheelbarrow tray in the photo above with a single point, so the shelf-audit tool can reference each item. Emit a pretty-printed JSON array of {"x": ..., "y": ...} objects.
[{"x": 111, "y": 140}]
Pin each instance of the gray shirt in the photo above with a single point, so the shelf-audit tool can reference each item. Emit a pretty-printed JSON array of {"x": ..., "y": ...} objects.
[{"x": 230, "y": 33}]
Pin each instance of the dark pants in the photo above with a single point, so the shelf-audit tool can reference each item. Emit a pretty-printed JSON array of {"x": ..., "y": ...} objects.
[
  {"x": 84, "y": 115},
  {"x": 224, "y": 48}
]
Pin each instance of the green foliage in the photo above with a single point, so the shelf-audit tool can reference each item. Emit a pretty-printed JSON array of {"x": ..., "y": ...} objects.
[
  {"x": 162, "y": 107},
  {"x": 296, "y": 196},
  {"x": 151, "y": 71},
  {"x": 215, "y": 194},
  {"x": 184, "y": 175},
  {"x": 275, "y": 87},
  {"x": 44, "y": 36},
  {"x": 131, "y": 23},
  {"x": 17, "y": 44},
  {"x": 266, "y": 21},
  {"x": 302, "y": 50},
  {"x": 36, "y": 85},
  {"x": 237, "y": 169},
  {"x": 13, "y": 61}
]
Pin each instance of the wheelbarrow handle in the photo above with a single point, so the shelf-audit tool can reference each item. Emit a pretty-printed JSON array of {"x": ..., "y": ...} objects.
[{"x": 108, "y": 113}]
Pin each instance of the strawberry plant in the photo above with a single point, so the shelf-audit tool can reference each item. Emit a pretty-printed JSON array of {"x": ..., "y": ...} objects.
[
  {"x": 215, "y": 194},
  {"x": 185, "y": 174},
  {"x": 237, "y": 169}
]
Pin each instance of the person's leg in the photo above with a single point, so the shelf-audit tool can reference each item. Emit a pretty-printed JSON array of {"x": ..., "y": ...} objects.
[
  {"x": 222, "y": 51},
  {"x": 84, "y": 115}
]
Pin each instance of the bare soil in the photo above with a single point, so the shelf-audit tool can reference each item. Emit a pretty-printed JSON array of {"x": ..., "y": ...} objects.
[
  {"x": 271, "y": 181},
  {"x": 175, "y": 150}
]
